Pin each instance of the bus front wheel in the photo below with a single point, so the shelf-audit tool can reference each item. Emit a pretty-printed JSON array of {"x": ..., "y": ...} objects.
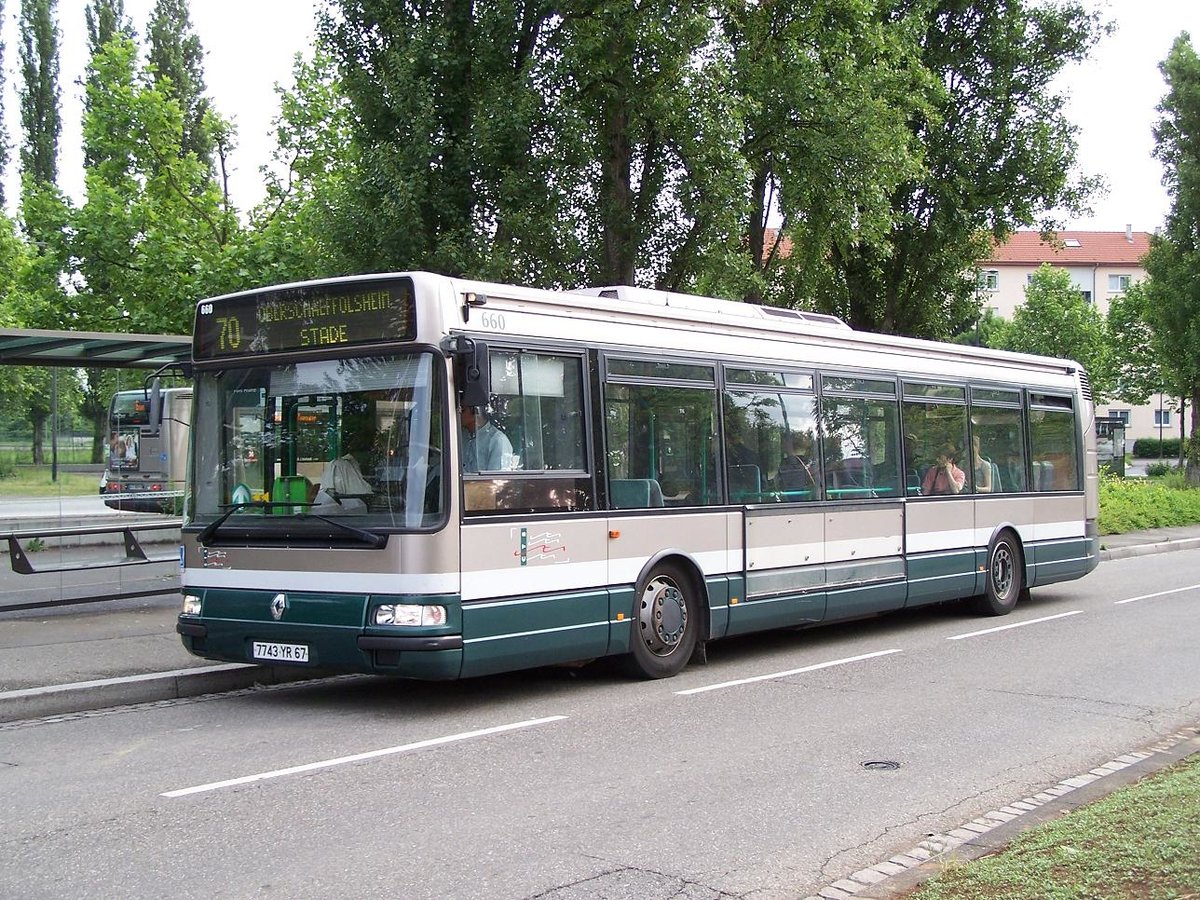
[
  {"x": 1005, "y": 578},
  {"x": 666, "y": 624}
]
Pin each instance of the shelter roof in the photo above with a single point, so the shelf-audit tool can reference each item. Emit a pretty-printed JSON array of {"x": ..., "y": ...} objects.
[{"x": 79, "y": 349}]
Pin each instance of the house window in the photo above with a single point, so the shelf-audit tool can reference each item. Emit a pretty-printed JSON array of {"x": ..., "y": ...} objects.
[
  {"x": 1086, "y": 295},
  {"x": 1118, "y": 284},
  {"x": 989, "y": 280},
  {"x": 1073, "y": 243},
  {"x": 1162, "y": 418},
  {"x": 1122, "y": 414}
]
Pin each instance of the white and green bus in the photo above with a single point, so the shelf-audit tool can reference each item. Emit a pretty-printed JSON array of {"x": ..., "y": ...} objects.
[{"x": 416, "y": 475}]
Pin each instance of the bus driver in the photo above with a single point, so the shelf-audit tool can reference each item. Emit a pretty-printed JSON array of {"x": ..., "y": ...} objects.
[{"x": 485, "y": 447}]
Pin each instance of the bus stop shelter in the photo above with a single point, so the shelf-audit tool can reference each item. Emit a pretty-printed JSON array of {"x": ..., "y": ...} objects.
[{"x": 91, "y": 349}]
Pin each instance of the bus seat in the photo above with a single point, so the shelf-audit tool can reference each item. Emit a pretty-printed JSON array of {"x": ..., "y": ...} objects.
[
  {"x": 635, "y": 493},
  {"x": 745, "y": 483}
]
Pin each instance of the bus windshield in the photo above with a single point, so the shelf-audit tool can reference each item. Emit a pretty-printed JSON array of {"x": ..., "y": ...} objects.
[{"x": 355, "y": 438}]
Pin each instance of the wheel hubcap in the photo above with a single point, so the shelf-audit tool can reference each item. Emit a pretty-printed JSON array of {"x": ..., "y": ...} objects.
[
  {"x": 663, "y": 616},
  {"x": 1002, "y": 571}
]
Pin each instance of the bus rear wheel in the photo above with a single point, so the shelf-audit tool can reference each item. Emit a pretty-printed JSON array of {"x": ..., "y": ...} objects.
[
  {"x": 1005, "y": 578},
  {"x": 666, "y": 624}
]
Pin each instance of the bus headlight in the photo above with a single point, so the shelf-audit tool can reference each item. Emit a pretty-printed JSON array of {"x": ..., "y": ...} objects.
[
  {"x": 191, "y": 605},
  {"x": 410, "y": 614}
]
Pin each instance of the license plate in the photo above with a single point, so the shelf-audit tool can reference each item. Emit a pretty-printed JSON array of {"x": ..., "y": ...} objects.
[{"x": 281, "y": 652}]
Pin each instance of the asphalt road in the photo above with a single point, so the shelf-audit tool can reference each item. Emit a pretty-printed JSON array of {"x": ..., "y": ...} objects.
[{"x": 743, "y": 777}]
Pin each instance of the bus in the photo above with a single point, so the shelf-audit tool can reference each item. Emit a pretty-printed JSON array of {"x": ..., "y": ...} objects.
[
  {"x": 146, "y": 467},
  {"x": 551, "y": 477}
]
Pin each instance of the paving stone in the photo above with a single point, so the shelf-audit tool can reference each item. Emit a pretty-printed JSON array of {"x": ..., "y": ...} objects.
[
  {"x": 963, "y": 835},
  {"x": 888, "y": 868},
  {"x": 904, "y": 860},
  {"x": 832, "y": 893},
  {"x": 850, "y": 887},
  {"x": 868, "y": 876}
]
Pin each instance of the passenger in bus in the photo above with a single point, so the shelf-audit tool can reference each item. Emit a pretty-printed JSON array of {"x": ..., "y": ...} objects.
[
  {"x": 982, "y": 467},
  {"x": 485, "y": 447},
  {"x": 342, "y": 490},
  {"x": 944, "y": 476}
]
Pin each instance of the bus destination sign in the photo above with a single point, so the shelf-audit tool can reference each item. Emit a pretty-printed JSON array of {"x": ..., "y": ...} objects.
[{"x": 314, "y": 317}]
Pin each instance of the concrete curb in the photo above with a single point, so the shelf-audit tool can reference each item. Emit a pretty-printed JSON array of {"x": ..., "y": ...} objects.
[
  {"x": 993, "y": 831},
  {"x": 83, "y": 696},
  {"x": 1147, "y": 549}
]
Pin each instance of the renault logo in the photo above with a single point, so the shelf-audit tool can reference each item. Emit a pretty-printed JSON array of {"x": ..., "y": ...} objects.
[{"x": 278, "y": 605}]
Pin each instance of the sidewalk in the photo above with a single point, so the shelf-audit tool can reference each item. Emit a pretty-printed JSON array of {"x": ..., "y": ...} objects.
[{"x": 84, "y": 657}]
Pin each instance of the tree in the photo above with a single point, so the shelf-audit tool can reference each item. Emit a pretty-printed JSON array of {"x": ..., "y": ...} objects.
[
  {"x": 1174, "y": 259},
  {"x": 1055, "y": 320},
  {"x": 1134, "y": 360},
  {"x": 3, "y": 133},
  {"x": 997, "y": 151},
  {"x": 148, "y": 241},
  {"x": 40, "y": 115},
  {"x": 177, "y": 59}
]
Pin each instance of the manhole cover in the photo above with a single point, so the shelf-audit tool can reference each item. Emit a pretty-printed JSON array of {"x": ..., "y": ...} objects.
[{"x": 884, "y": 765}]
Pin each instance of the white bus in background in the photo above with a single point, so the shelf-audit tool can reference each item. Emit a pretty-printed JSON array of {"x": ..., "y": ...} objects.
[
  {"x": 546, "y": 477},
  {"x": 145, "y": 469}
]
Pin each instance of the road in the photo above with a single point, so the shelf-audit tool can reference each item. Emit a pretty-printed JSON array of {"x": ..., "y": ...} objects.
[{"x": 744, "y": 777}]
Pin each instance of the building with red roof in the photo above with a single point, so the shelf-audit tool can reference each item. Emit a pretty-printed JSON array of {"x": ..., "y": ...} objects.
[{"x": 1102, "y": 264}]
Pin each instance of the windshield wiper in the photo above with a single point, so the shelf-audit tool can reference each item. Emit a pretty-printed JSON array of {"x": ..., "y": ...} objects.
[
  {"x": 211, "y": 528},
  {"x": 375, "y": 540}
]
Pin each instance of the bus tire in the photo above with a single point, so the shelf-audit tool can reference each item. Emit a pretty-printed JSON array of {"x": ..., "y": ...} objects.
[
  {"x": 1005, "y": 578},
  {"x": 666, "y": 623}
]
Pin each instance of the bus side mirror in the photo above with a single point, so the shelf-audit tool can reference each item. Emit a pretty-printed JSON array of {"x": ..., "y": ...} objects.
[
  {"x": 155, "y": 405},
  {"x": 472, "y": 370}
]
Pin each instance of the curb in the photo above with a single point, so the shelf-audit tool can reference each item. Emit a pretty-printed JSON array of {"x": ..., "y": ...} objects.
[
  {"x": 1148, "y": 549},
  {"x": 83, "y": 696},
  {"x": 993, "y": 831}
]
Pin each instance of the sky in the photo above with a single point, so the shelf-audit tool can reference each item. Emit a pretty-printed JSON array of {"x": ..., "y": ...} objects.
[{"x": 250, "y": 45}]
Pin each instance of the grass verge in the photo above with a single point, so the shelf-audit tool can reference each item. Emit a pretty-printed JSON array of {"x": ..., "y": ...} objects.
[
  {"x": 1142, "y": 841},
  {"x": 36, "y": 482}
]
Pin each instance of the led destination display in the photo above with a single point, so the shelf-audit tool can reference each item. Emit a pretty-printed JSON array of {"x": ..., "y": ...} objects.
[{"x": 305, "y": 318}]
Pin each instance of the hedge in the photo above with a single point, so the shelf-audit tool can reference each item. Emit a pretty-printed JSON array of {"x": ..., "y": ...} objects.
[{"x": 1148, "y": 448}]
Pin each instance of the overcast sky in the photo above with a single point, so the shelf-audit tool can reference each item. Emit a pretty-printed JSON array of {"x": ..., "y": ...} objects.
[{"x": 250, "y": 45}]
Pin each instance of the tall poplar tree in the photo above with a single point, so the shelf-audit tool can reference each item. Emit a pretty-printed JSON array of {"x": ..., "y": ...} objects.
[
  {"x": 3, "y": 133},
  {"x": 41, "y": 203},
  {"x": 1174, "y": 259},
  {"x": 40, "y": 113},
  {"x": 177, "y": 56}
]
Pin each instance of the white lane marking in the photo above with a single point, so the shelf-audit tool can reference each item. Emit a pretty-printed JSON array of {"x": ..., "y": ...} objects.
[
  {"x": 959, "y": 637},
  {"x": 1190, "y": 587},
  {"x": 773, "y": 675},
  {"x": 387, "y": 751}
]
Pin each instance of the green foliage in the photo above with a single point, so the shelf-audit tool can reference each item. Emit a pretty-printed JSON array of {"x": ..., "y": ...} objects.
[
  {"x": 1173, "y": 310},
  {"x": 1149, "y": 448},
  {"x": 996, "y": 148},
  {"x": 1134, "y": 361},
  {"x": 40, "y": 114},
  {"x": 991, "y": 330},
  {"x": 177, "y": 63},
  {"x": 1128, "y": 504},
  {"x": 1055, "y": 320}
]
